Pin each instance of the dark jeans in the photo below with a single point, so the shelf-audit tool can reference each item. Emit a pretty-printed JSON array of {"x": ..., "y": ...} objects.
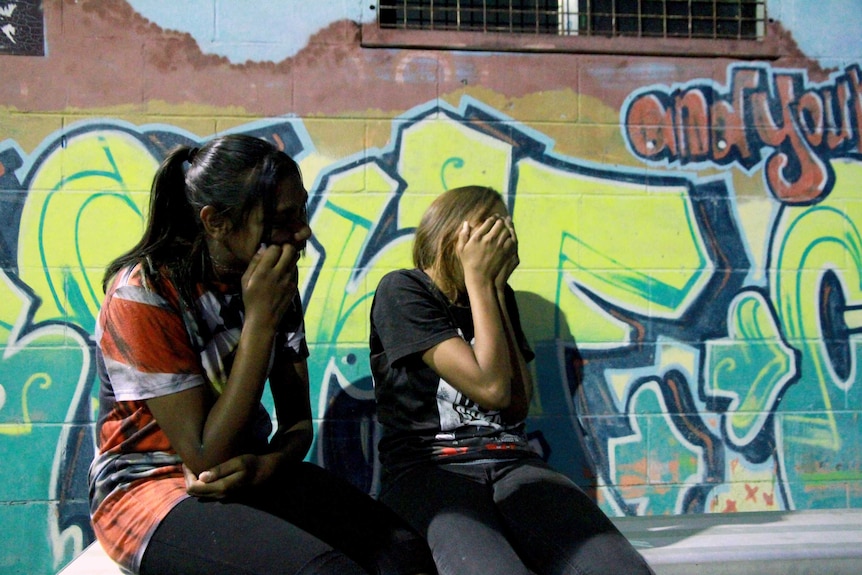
[
  {"x": 310, "y": 522},
  {"x": 510, "y": 518}
]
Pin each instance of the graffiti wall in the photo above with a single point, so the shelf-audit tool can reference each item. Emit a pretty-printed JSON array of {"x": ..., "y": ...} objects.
[{"x": 689, "y": 236}]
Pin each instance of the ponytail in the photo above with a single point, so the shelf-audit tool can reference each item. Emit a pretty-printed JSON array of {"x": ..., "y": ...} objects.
[
  {"x": 172, "y": 228},
  {"x": 233, "y": 174}
]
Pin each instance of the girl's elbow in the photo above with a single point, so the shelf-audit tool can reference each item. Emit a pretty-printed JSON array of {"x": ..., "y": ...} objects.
[
  {"x": 497, "y": 398},
  {"x": 196, "y": 465},
  {"x": 515, "y": 412}
]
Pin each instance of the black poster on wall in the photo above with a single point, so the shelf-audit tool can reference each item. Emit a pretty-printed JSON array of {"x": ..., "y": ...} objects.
[{"x": 22, "y": 28}]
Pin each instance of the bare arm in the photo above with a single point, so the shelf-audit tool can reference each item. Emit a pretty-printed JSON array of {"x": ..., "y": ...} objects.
[
  {"x": 522, "y": 380},
  {"x": 207, "y": 431},
  {"x": 290, "y": 443},
  {"x": 483, "y": 371},
  {"x": 289, "y": 383}
]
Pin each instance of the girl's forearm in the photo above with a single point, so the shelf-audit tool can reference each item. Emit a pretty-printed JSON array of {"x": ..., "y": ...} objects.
[
  {"x": 522, "y": 381},
  {"x": 292, "y": 444},
  {"x": 490, "y": 347},
  {"x": 235, "y": 407}
]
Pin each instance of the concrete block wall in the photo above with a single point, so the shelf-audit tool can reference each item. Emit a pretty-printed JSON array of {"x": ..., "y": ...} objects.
[{"x": 689, "y": 230}]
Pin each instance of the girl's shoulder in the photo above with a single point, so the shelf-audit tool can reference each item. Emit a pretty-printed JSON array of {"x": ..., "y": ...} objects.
[
  {"x": 404, "y": 274},
  {"x": 411, "y": 291},
  {"x": 413, "y": 281},
  {"x": 405, "y": 278},
  {"x": 132, "y": 282}
]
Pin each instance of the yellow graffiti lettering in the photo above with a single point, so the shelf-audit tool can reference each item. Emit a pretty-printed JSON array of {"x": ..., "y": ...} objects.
[
  {"x": 99, "y": 179},
  {"x": 811, "y": 244},
  {"x": 635, "y": 246},
  {"x": 338, "y": 311}
]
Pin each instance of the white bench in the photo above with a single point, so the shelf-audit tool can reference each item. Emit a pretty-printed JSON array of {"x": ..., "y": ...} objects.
[
  {"x": 766, "y": 543},
  {"x": 93, "y": 561},
  {"x": 827, "y": 542}
]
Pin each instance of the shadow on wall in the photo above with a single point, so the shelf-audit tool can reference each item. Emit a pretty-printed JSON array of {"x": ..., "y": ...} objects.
[{"x": 558, "y": 368}]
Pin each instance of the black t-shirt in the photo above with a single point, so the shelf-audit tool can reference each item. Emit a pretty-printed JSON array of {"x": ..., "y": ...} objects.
[{"x": 423, "y": 417}]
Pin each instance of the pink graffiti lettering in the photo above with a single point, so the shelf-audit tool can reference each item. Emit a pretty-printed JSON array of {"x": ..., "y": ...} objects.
[{"x": 765, "y": 116}]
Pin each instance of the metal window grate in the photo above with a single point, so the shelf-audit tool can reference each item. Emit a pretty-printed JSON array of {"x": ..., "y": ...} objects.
[{"x": 716, "y": 19}]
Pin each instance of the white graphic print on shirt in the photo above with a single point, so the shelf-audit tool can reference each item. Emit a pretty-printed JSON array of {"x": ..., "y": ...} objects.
[{"x": 457, "y": 410}]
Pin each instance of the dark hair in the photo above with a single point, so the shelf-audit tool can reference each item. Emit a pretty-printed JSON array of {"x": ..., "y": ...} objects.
[
  {"x": 233, "y": 174},
  {"x": 437, "y": 233}
]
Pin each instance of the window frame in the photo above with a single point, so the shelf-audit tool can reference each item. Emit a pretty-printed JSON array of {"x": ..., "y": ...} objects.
[{"x": 373, "y": 36}]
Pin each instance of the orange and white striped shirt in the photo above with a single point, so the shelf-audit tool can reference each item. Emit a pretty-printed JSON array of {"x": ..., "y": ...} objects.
[{"x": 150, "y": 345}]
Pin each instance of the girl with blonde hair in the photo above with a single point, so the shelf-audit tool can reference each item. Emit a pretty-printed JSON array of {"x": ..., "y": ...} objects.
[{"x": 449, "y": 362}]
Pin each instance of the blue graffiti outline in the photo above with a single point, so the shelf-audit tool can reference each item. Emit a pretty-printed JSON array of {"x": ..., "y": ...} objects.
[{"x": 711, "y": 195}]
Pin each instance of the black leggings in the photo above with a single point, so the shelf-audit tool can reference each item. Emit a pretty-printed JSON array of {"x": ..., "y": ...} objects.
[
  {"x": 510, "y": 518},
  {"x": 309, "y": 521}
]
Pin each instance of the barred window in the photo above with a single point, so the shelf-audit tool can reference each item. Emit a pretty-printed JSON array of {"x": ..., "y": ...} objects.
[
  {"x": 533, "y": 16},
  {"x": 707, "y": 19}
]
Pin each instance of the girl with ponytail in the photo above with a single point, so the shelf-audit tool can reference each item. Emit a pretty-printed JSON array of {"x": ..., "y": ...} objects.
[{"x": 189, "y": 476}]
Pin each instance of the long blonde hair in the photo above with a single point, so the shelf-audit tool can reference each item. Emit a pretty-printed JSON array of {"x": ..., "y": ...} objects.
[{"x": 437, "y": 233}]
